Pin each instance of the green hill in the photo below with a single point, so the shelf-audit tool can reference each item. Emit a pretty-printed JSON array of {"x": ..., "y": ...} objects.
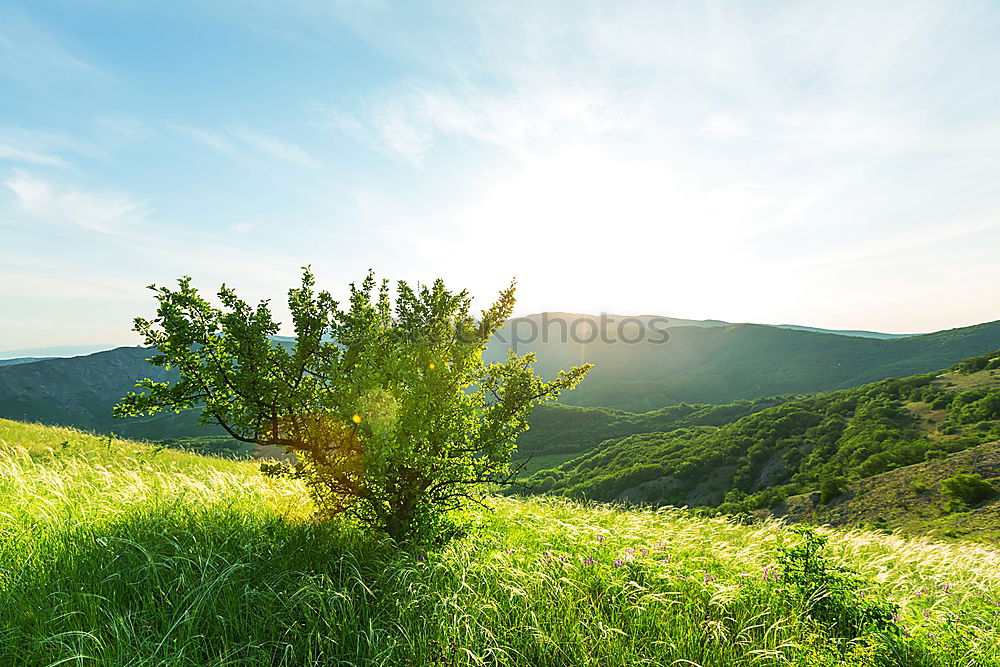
[
  {"x": 912, "y": 499},
  {"x": 721, "y": 364},
  {"x": 799, "y": 446},
  {"x": 80, "y": 391},
  {"x": 118, "y": 553}
]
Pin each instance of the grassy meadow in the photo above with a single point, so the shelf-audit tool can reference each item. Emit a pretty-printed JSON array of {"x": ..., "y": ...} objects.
[{"x": 118, "y": 553}]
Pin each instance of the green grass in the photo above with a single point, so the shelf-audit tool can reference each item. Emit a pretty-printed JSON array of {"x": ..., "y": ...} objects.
[{"x": 114, "y": 553}]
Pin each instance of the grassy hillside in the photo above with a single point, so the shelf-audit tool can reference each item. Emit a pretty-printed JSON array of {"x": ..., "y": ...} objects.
[
  {"x": 115, "y": 553},
  {"x": 742, "y": 361},
  {"x": 799, "y": 446},
  {"x": 912, "y": 499}
]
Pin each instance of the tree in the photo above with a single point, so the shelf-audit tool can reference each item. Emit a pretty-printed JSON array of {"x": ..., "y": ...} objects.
[
  {"x": 386, "y": 403},
  {"x": 831, "y": 487},
  {"x": 964, "y": 490}
]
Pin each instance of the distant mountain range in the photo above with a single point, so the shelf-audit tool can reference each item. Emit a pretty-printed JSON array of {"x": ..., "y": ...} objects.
[
  {"x": 637, "y": 369},
  {"x": 41, "y": 353},
  {"x": 22, "y": 360},
  {"x": 705, "y": 362},
  {"x": 846, "y": 332},
  {"x": 80, "y": 391}
]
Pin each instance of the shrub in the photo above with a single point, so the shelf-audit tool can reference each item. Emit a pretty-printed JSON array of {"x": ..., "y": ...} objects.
[
  {"x": 831, "y": 487},
  {"x": 831, "y": 595},
  {"x": 964, "y": 490},
  {"x": 988, "y": 360}
]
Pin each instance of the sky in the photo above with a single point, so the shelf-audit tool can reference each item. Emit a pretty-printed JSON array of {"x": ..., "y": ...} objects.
[{"x": 824, "y": 164}]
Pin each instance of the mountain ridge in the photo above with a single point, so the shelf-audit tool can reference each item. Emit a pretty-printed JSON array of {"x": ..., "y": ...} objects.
[{"x": 698, "y": 365}]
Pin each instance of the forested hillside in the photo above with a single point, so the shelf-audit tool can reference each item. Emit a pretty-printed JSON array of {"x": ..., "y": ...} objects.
[
  {"x": 817, "y": 443},
  {"x": 559, "y": 432}
]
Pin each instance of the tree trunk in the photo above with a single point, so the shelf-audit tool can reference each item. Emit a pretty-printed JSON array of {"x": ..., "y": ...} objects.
[{"x": 399, "y": 522}]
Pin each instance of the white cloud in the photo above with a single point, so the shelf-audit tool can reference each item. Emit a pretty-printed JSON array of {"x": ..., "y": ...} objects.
[
  {"x": 122, "y": 126},
  {"x": 727, "y": 126},
  {"x": 15, "y": 154},
  {"x": 692, "y": 152},
  {"x": 666, "y": 157},
  {"x": 215, "y": 140},
  {"x": 31, "y": 55},
  {"x": 101, "y": 211},
  {"x": 283, "y": 150},
  {"x": 44, "y": 148},
  {"x": 235, "y": 141},
  {"x": 409, "y": 119}
]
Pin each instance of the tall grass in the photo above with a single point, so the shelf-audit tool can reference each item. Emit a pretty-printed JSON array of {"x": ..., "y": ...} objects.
[{"x": 115, "y": 553}]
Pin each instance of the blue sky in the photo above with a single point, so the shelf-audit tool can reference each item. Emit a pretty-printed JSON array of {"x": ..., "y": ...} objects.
[{"x": 827, "y": 164}]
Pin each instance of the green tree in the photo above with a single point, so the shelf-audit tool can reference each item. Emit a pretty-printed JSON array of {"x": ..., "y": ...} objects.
[
  {"x": 391, "y": 413},
  {"x": 831, "y": 487},
  {"x": 964, "y": 490}
]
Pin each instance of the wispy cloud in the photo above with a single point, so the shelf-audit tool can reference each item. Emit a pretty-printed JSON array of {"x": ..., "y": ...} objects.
[
  {"x": 409, "y": 119},
  {"x": 243, "y": 142},
  {"x": 694, "y": 155},
  {"x": 283, "y": 150},
  {"x": 31, "y": 55},
  {"x": 15, "y": 154},
  {"x": 122, "y": 127},
  {"x": 100, "y": 211},
  {"x": 44, "y": 148}
]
